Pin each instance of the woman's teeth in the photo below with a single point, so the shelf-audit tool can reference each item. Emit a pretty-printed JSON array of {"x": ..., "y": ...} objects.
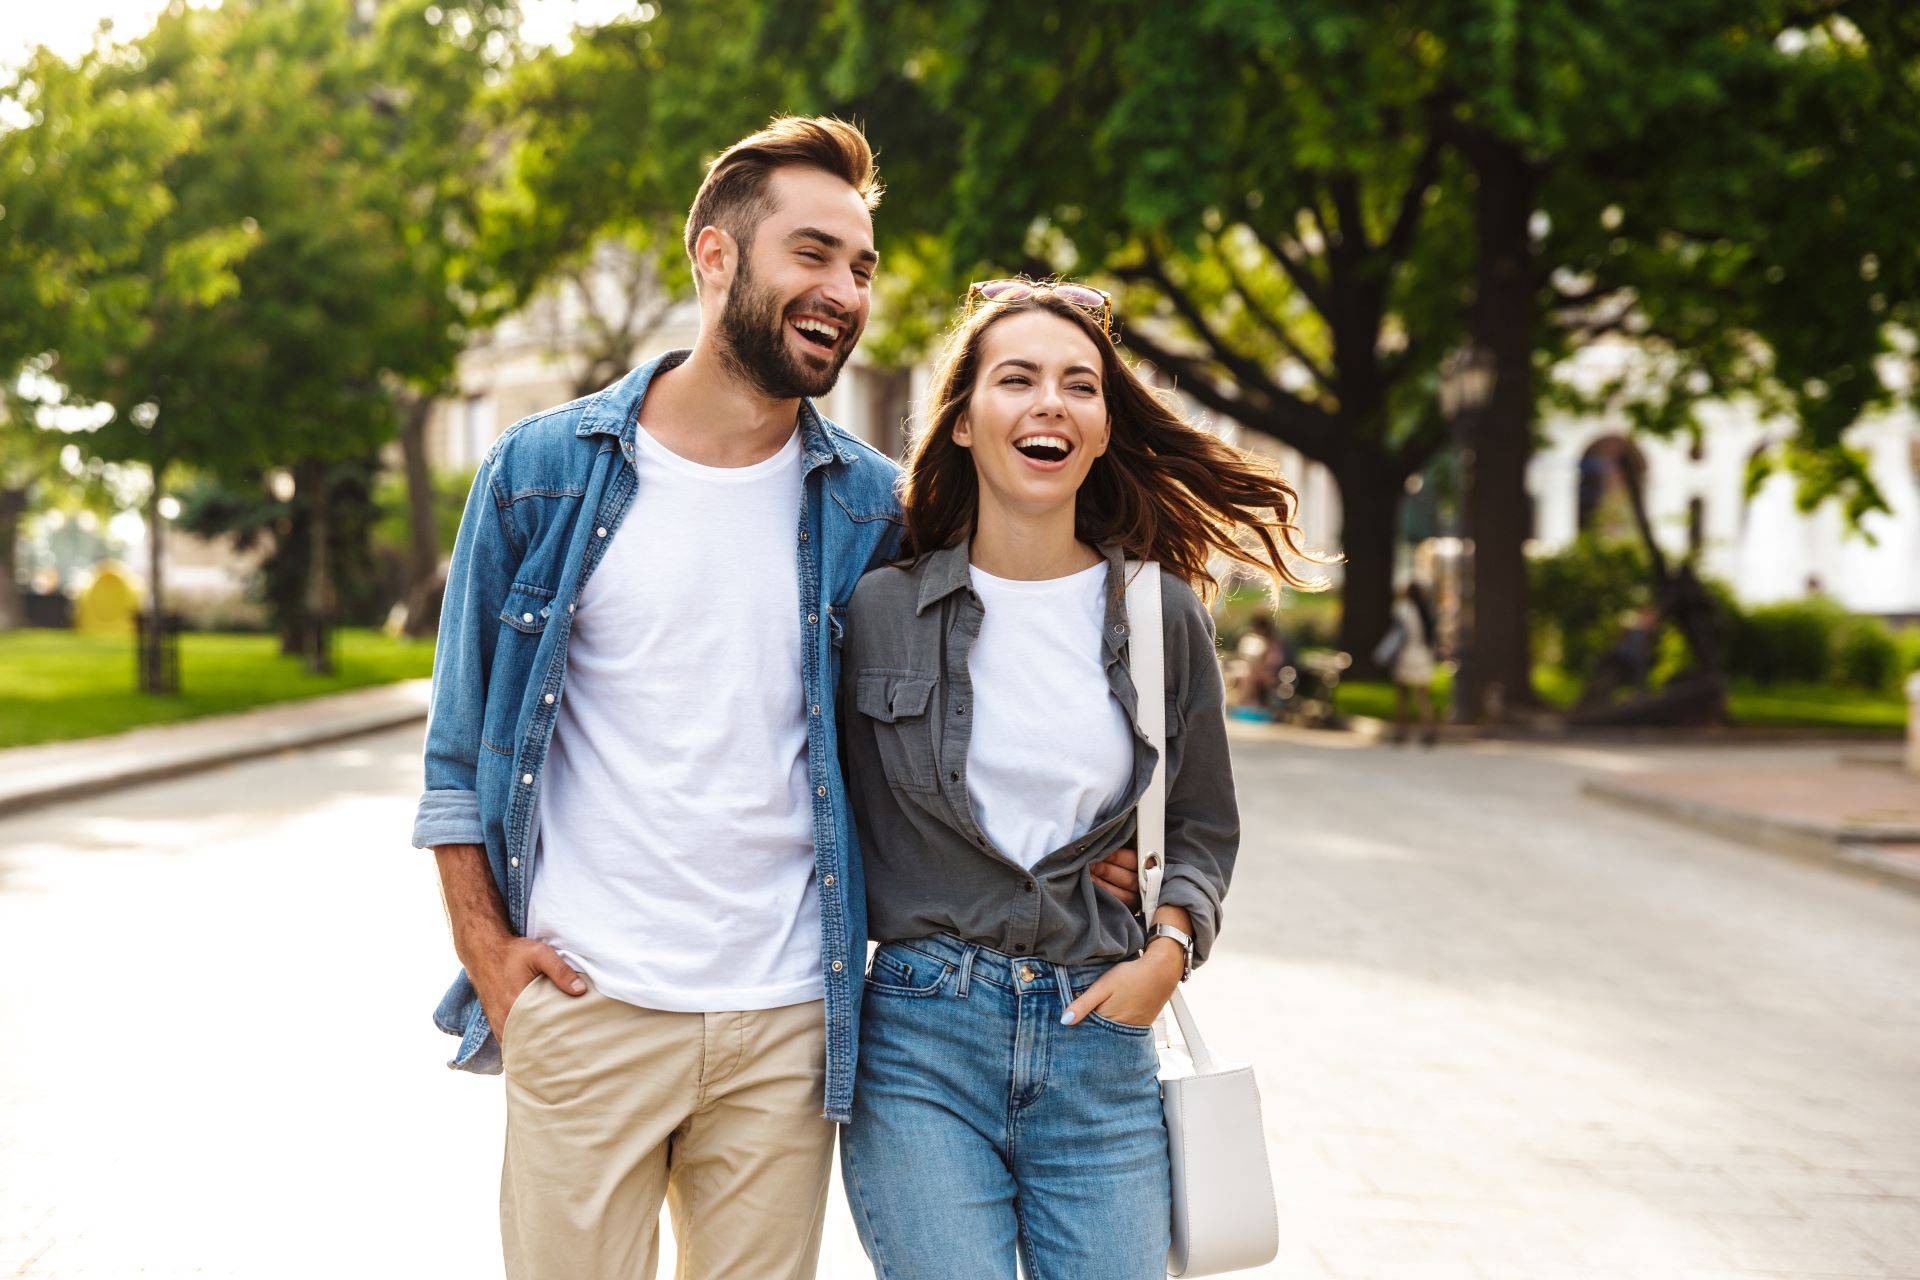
[{"x": 1045, "y": 448}]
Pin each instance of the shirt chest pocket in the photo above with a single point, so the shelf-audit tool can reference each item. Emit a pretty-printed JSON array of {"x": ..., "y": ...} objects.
[{"x": 897, "y": 703}]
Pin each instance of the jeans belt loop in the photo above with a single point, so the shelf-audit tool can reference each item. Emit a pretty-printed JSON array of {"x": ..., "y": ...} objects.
[
  {"x": 966, "y": 971},
  {"x": 1066, "y": 986}
]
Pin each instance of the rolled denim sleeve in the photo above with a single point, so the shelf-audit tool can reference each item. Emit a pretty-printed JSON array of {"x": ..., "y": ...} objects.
[
  {"x": 483, "y": 567},
  {"x": 1203, "y": 816}
]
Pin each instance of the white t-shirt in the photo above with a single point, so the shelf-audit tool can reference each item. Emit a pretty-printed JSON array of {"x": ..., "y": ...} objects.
[
  {"x": 1051, "y": 747},
  {"x": 676, "y": 825}
]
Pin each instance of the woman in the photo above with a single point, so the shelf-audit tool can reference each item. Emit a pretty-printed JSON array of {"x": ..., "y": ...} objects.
[
  {"x": 1006, "y": 1103},
  {"x": 1412, "y": 667}
]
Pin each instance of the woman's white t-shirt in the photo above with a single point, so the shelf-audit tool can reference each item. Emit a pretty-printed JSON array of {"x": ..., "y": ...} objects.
[{"x": 1051, "y": 747}]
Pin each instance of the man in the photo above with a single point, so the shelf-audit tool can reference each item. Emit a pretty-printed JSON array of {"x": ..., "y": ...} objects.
[{"x": 633, "y": 783}]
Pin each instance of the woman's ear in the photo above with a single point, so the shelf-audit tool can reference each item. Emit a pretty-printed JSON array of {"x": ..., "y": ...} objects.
[
  {"x": 1106, "y": 438},
  {"x": 963, "y": 433}
]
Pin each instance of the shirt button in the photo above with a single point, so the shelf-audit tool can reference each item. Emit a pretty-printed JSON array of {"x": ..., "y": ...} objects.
[
  {"x": 803, "y": 535},
  {"x": 812, "y": 618},
  {"x": 829, "y": 880},
  {"x": 959, "y": 708},
  {"x": 549, "y": 699},
  {"x": 953, "y": 777},
  {"x": 837, "y": 966},
  {"x": 819, "y": 791},
  {"x": 526, "y": 617},
  {"x": 527, "y": 778},
  {"x": 601, "y": 532},
  {"x": 513, "y": 862},
  {"x": 1026, "y": 886},
  {"x": 569, "y": 608},
  {"x": 815, "y": 708}
]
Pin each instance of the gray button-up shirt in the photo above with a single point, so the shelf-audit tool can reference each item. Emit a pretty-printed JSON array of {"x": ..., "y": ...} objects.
[{"x": 906, "y": 726}]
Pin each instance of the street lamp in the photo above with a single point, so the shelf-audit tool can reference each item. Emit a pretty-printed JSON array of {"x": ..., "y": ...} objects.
[{"x": 1466, "y": 386}]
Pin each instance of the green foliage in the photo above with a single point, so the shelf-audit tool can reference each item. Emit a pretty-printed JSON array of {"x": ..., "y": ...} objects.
[
  {"x": 1582, "y": 595},
  {"x": 1782, "y": 643},
  {"x": 1865, "y": 654},
  {"x": 391, "y": 535}
]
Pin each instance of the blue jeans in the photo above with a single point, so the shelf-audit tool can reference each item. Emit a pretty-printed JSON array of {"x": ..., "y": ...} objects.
[{"x": 983, "y": 1129}]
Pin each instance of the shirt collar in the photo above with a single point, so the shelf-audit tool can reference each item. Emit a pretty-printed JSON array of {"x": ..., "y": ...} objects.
[
  {"x": 946, "y": 571},
  {"x": 614, "y": 410}
]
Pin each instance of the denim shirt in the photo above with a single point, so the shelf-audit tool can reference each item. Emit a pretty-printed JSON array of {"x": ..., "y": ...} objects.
[{"x": 548, "y": 497}]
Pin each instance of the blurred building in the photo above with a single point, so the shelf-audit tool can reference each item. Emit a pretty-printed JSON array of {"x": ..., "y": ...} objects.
[{"x": 1762, "y": 546}]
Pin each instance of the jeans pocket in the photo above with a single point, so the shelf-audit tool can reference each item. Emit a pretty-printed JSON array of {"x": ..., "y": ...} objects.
[
  {"x": 1124, "y": 1028},
  {"x": 902, "y": 971}
]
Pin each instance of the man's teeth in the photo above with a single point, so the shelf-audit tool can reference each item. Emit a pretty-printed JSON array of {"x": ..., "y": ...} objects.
[{"x": 820, "y": 327}]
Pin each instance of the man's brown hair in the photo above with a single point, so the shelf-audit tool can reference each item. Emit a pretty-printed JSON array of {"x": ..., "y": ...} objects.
[{"x": 734, "y": 196}]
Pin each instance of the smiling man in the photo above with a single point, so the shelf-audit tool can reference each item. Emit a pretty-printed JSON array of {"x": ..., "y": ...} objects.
[{"x": 633, "y": 784}]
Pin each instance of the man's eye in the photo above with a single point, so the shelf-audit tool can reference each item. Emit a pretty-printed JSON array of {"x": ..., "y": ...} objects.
[{"x": 811, "y": 256}]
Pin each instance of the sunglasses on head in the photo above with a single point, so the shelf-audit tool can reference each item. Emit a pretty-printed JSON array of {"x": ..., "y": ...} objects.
[{"x": 1095, "y": 302}]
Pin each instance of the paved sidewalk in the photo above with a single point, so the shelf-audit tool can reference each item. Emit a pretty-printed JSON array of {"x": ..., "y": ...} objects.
[
  {"x": 34, "y": 776},
  {"x": 1856, "y": 809}
]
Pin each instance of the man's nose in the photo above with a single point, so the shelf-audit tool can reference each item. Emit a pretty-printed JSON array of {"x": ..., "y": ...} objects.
[{"x": 841, "y": 291}]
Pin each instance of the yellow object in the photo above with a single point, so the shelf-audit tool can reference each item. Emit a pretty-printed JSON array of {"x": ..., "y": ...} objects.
[{"x": 110, "y": 602}]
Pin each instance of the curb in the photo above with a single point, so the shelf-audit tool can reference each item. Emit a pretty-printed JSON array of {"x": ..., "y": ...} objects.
[
  {"x": 1853, "y": 850},
  {"x": 269, "y": 742}
]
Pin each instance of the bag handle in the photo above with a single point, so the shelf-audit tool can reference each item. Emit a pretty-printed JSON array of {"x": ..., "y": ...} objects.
[{"x": 1147, "y": 663}]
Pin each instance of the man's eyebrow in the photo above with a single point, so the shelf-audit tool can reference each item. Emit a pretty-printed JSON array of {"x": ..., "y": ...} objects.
[{"x": 827, "y": 240}]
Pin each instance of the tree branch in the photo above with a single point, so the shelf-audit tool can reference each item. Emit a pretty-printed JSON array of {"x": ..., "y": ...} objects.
[
  {"x": 1292, "y": 422},
  {"x": 1273, "y": 326}
]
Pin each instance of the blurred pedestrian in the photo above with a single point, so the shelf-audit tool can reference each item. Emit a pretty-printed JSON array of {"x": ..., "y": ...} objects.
[{"x": 1409, "y": 652}]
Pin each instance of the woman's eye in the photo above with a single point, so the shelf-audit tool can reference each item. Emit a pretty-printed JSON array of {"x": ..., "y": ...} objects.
[
  {"x": 1013, "y": 380},
  {"x": 1086, "y": 387}
]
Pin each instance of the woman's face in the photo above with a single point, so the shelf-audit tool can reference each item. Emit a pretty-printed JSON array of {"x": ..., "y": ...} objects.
[{"x": 1038, "y": 416}]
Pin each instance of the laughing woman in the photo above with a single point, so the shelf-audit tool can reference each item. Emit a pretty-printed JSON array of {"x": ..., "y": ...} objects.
[{"x": 1006, "y": 1104}]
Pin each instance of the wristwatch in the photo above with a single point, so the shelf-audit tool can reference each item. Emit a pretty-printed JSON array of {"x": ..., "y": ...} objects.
[{"x": 1165, "y": 930}]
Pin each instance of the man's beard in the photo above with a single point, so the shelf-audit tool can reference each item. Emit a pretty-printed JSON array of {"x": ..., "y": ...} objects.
[{"x": 753, "y": 334}]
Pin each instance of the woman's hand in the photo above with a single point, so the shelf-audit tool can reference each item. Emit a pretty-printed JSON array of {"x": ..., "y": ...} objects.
[{"x": 1133, "y": 991}]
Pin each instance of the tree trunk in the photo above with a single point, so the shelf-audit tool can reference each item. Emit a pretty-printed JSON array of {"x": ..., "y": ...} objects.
[
  {"x": 1497, "y": 673},
  {"x": 1370, "y": 497},
  {"x": 156, "y": 674},
  {"x": 318, "y": 649},
  {"x": 13, "y": 607},
  {"x": 423, "y": 544}
]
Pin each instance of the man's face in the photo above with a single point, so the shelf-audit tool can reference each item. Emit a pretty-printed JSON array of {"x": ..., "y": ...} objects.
[{"x": 798, "y": 302}]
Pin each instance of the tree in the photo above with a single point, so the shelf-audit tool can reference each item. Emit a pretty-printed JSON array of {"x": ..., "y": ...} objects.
[{"x": 1326, "y": 201}]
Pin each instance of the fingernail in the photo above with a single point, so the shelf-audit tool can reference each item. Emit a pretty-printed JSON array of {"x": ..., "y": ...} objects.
[
  {"x": 578, "y": 986},
  {"x": 1069, "y": 1018}
]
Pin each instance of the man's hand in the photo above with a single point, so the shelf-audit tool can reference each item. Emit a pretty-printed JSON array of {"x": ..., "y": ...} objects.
[
  {"x": 498, "y": 963},
  {"x": 1116, "y": 874},
  {"x": 502, "y": 972},
  {"x": 1133, "y": 991}
]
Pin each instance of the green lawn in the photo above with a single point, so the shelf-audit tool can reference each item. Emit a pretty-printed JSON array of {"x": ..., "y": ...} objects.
[
  {"x": 56, "y": 685},
  {"x": 1803, "y": 706}
]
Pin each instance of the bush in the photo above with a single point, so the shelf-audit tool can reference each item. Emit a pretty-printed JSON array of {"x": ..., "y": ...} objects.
[
  {"x": 1309, "y": 620},
  {"x": 1906, "y": 650},
  {"x": 1579, "y": 596},
  {"x": 1781, "y": 643},
  {"x": 1864, "y": 654}
]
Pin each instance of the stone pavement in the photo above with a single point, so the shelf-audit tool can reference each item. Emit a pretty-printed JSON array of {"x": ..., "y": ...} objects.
[
  {"x": 1504, "y": 1031},
  {"x": 35, "y": 776},
  {"x": 1858, "y": 807}
]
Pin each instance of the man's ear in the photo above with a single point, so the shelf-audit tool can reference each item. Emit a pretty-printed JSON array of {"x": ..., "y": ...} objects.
[
  {"x": 716, "y": 257},
  {"x": 963, "y": 433}
]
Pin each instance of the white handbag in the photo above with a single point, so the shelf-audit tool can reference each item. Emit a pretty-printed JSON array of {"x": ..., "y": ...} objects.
[{"x": 1224, "y": 1215}]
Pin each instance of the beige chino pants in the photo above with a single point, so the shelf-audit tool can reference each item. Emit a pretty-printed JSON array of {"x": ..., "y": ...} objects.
[{"x": 612, "y": 1108}]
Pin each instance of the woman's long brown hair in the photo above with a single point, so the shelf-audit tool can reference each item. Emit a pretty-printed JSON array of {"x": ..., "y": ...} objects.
[{"x": 1165, "y": 489}]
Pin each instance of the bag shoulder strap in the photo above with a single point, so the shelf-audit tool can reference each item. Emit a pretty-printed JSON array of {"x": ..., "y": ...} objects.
[{"x": 1147, "y": 663}]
